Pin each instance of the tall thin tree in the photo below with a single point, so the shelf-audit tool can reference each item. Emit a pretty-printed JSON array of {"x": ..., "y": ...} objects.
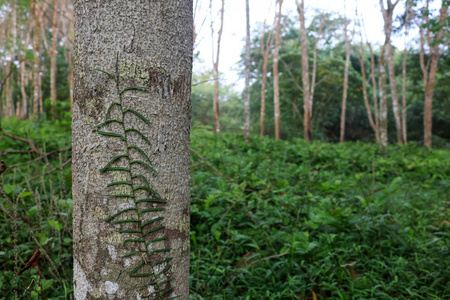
[
  {"x": 408, "y": 6},
  {"x": 348, "y": 41},
  {"x": 429, "y": 68},
  {"x": 388, "y": 13},
  {"x": 215, "y": 61},
  {"x": 247, "y": 76},
  {"x": 276, "y": 82},
  {"x": 266, "y": 45}
]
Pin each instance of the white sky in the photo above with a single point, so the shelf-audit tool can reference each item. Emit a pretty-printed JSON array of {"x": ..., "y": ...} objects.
[{"x": 233, "y": 37}]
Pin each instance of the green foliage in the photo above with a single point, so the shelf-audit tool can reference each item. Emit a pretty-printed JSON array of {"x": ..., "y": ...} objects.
[
  {"x": 340, "y": 221},
  {"x": 36, "y": 212},
  {"x": 343, "y": 221}
]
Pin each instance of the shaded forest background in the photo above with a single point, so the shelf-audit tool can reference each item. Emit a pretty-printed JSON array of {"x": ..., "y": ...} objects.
[{"x": 37, "y": 59}]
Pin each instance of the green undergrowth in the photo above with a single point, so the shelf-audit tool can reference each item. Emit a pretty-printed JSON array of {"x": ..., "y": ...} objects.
[
  {"x": 36, "y": 211},
  {"x": 269, "y": 219},
  {"x": 291, "y": 220}
]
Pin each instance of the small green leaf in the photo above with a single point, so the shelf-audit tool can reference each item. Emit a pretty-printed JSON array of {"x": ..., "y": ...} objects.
[
  {"x": 32, "y": 211},
  {"x": 110, "y": 75},
  {"x": 55, "y": 224},
  {"x": 23, "y": 195},
  {"x": 133, "y": 88},
  {"x": 9, "y": 189}
]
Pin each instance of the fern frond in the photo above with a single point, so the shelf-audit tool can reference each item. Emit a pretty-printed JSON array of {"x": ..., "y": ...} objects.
[
  {"x": 140, "y": 151},
  {"x": 112, "y": 161},
  {"x": 143, "y": 164},
  {"x": 133, "y": 88},
  {"x": 153, "y": 230},
  {"x": 155, "y": 240},
  {"x": 152, "y": 221},
  {"x": 133, "y": 253},
  {"x": 108, "y": 112},
  {"x": 150, "y": 210},
  {"x": 127, "y": 221},
  {"x": 119, "y": 182},
  {"x": 151, "y": 200},
  {"x": 111, "y": 134},
  {"x": 145, "y": 188},
  {"x": 110, "y": 75},
  {"x": 141, "y": 135},
  {"x": 137, "y": 114},
  {"x": 120, "y": 212},
  {"x": 109, "y": 121}
]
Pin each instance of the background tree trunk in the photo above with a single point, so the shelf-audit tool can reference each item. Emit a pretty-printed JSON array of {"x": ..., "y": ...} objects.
[
  {"x": 247, "y": 77},
  {"x": 305, "y": 73},
  {"x": 140, "y": 44},
  {"x": 37, "y": 53},
  {"x": 429, "y": 69},
  {"x": 345, "y": 87},
  {"x": 276, "y": 83},
  {"x": 265, "y": 49},
  {"x": 364, "y": 88},
  {"x": 408, "y": 6},
  {"x": 216, "y": 70},
  {"x": 52, "y": 53}
]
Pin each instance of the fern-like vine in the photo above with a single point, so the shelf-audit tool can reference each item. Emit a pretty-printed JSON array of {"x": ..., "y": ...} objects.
[{"x": 144, "y": 228}]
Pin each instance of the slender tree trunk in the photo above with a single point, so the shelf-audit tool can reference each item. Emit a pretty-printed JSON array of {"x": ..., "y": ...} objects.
[
  {"x": 53, "y": 53},
  {"x": 383, "y": 101},
  {"x": 247, "y": 77},
  {"x": 276, "y": 84},
  {"x": 216, "y": 71},
  {"x": 386, "y": 55},
  {"x": 37, "y": 54},
  {"x": 344, "y": 94},
  {"x": 374, "y": 88},
  {"x": 394, "y": 95},
  {"x": 429, "y": 69},
  {"x": 13, "y": 36},
  {"x": 305, "y": 73},
  {"x": 265, "y": 49},
  {"x": 405, "y": 53},
  {"x": 23, "y": 78},
  {"x": 131, "y": 149},
  {"x": 364, "y": 88},
  {"x": 314, "y": 70}
]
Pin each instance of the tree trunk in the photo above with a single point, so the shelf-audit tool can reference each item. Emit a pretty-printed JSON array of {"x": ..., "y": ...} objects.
[
  {"x": 364, "y": 88},
  {"x": 276, "y": 84},
  {"x": 131, "y": 149},
  {"x": 52, "y": 53},
  {"x": 265, "y": 49},
  {"x": 383, "y": 101},
  {"x": 247, "y": 77},
  {"x": 23, "y": 78},
  {"x": 395, "y": 105},
  {"x": 216, "y": 71},
  {"x": 429, "y": 69},
  {"x": 305, "y": 73},
  {"x": 37, "y": 55},
  {"x": 405, "y": 53},
  {"x": 387, "y": 53},
  {"x": 375, "y": 98},
  {"x": 314, "y": 70},
  {"x": 344, "y": 93}
]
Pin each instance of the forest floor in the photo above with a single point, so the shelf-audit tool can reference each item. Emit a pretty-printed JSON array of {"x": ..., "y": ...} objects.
[{"x": 269, "y": 219}]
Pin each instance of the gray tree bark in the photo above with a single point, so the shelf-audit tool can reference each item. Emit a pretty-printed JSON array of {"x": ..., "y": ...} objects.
[
  {"x": 276, "y": 84},
  {"x": 131, "y": 146},
  {"x": 247, "y": 77}
]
